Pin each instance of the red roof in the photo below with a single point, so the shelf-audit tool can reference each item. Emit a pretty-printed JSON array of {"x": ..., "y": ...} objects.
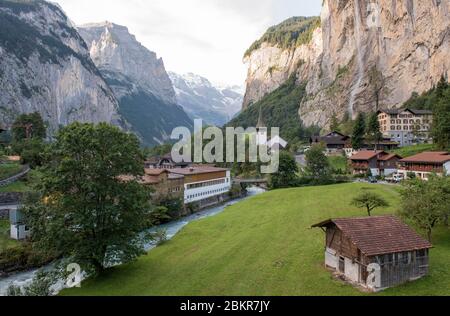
[
  {"x": 366, "y": 154},
  {"x": 429, "y": 157},
  {"x": 389, "y": 157},
  {"x": 154, "y": 172},
  {"x": 379, "y": 235}
]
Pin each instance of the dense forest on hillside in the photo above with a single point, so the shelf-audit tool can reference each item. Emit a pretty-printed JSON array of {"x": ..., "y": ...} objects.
[
  {"x": 288, "y": 34},
  {"x": 429, "y": 99},
  {"x": 279, "y": 109}
]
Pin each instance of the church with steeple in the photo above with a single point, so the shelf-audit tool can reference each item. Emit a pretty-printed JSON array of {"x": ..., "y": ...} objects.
[{"x": 261, "y": 129}]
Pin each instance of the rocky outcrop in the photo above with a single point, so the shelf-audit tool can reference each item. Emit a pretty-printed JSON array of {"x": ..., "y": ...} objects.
[
  {"x": 366, "y": 54},
  {"x": 139, "y": 81},
  {"x": 45, "y": 66},
  {"x": 203, "y": 100},
  {"x": 113, "y": 48}
]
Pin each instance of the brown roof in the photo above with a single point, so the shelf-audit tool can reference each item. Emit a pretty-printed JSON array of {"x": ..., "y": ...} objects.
[
  {"x": 429, "y": 157},
  {"x": 389, "y": 157},
  {"x": 150, "y": 180},
  {"x": 155, "y": 172},
  {"x": 366, "y": 154},
  {"x": 196, "y": 170},
  {"x": 333, "y": 138},
  {"x": 379, "y": 235}
]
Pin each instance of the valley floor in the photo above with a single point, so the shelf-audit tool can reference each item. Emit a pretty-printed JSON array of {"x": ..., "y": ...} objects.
[{"x": 261, "y": 247}]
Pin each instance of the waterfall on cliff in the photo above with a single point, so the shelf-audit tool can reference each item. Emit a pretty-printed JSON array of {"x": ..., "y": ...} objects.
[{"x": 360, "y": 52}]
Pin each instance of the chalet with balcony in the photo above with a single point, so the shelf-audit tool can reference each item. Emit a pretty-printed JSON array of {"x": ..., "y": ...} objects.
[
  {"x": 375, "y": 252},
  {"x": 425, "y": 164},
  {"x": 379, "y": 163}
]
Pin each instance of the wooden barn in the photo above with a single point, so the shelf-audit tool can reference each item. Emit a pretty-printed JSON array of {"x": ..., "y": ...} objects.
[{"x": 382, "y": 247}]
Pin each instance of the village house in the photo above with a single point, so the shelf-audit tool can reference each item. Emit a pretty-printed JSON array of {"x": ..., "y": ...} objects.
[
  {"x": 204, "y": 185},
  {"x": 379, "y": 163},
  {"x": 406, "y": 126},
  {"x": 334, "y": 142},
  {"x": 18, "y": 229},
  {"x": 164, "y": 183},
  {"x": 337, "y": 143},
  {"x": 381, "y": 247},
  {"x": 164, "y": 162},
  {"x": 425, "y": 164}
]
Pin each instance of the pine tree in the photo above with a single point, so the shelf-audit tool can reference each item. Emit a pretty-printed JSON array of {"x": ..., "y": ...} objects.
[
  {"x": 359, "y": 130},
  {"x": 373, "y": 129},
  {"x": 334, "y": 125},
  {"x": 441, "y": 116}
]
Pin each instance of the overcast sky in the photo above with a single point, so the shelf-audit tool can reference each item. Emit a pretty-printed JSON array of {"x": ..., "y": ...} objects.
[{"x": 207, "y": 37}]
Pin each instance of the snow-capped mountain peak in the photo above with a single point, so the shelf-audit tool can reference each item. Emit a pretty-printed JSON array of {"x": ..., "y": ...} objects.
[{"x": 202, "y": 99}]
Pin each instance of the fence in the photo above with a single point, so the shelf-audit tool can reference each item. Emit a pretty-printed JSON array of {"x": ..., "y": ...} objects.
[{"x": 16, "y": 177}]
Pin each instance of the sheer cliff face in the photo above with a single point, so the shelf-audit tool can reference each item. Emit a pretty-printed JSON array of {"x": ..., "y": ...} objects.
[
  {"x": 114, "y": 49},
  {"x": 45, "y": 67},
  {"x": 139, "y": 81},
  {"x": 362, "y": 57}
]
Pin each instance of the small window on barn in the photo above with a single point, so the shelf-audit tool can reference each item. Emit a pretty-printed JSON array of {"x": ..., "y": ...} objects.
[
  {"x": 396, "y": 260},
  {"x": 421, "y": 253},
  {"x": 405, "y": 258}
]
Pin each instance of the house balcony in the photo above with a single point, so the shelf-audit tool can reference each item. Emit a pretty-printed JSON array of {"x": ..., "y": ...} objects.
[{"x": 422, "y": 168}]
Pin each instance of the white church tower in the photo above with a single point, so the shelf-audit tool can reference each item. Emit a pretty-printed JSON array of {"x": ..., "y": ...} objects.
[{"x": 261, "y": 130}]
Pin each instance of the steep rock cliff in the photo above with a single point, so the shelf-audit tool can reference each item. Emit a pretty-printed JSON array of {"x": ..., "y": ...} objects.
[
  {"x": 366, "y": 54},
  {"x": 113, "y": 48},
  {"x": 45, "y": 66},
  {"x": 139, "y": 81}
]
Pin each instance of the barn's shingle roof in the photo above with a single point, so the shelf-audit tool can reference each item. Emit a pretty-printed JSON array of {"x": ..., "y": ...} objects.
[{"x": 379, "y": 235}]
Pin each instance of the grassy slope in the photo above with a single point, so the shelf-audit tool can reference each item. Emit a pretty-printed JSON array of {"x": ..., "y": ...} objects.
[
  {"x": 414, "y": 150},
  {"x": 5, "y": 241},
  {"x": 262, "y": 246},
  {"x": 9, "y": 169},
  {"x": 339, "y": 163}
]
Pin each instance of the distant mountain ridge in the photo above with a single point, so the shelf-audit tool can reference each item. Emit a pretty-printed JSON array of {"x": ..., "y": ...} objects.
[
  {"x": 139, "y": 80},
  {"x": 201, "y": 99},
  {"x": 45, "y": 67}
]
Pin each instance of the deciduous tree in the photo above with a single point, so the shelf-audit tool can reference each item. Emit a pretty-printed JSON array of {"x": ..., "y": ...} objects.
[
  {"x": 287, "y": 172},
  {"x": 426, "y": 203},
  {"x": 86, "y": 210},
  {"x": 370, "y": 201},
  {"x": 317, "y": 165}
]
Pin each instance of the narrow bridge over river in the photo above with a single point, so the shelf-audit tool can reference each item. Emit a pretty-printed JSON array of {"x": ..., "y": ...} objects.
[{"x": 261, "y": 183}]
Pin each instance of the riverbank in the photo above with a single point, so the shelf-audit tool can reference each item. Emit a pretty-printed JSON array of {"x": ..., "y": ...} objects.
[
  {"x": 263, "y": 246},
  {"x": 171, "y": 229}
]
